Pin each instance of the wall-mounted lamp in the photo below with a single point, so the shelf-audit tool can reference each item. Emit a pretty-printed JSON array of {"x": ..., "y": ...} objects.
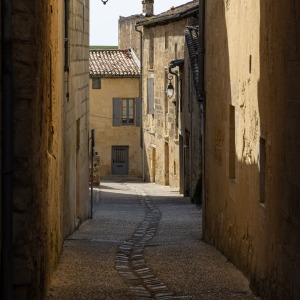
[
  {"x": 104, "y": 1},
  {"x": 170, "y": 87}
]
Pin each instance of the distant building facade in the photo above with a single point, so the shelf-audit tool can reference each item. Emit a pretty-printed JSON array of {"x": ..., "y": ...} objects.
[
  {"x": 115, "y": 111},
  {"x": 163, "y": 42},
  {"x": 128, "y": 36}
]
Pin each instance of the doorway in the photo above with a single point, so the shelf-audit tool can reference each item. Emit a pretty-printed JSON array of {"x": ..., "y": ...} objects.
[{"x": 120, "y": 160}]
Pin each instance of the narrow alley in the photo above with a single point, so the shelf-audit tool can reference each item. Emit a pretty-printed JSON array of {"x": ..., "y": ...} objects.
[{"x": 144, "y": 242}]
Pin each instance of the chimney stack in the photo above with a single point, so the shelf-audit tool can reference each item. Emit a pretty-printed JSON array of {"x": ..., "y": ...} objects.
[{"x": 148, "y": 7}]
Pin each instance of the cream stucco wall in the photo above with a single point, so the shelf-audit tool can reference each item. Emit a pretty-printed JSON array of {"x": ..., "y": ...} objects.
[{"x": 106, "y": 135}]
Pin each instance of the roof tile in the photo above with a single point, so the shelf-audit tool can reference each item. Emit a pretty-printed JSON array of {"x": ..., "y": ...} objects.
[{"x": 113, "y": 63}]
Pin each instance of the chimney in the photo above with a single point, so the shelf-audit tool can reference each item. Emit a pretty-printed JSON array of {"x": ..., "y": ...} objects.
[{"x": 148, "y": 6}]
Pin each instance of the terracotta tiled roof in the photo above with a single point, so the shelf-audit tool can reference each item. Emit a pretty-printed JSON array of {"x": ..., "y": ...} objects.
[
  {"x": 192, "y": 41},
  {"x": 113, "y": 63},
  {"x": 173, "y": 14}
]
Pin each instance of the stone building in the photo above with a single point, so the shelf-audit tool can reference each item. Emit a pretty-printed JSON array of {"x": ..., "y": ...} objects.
[
  {"x": 252, "y": 181},
  {"x": 44, "y": 178},
  {"x": 163, "y": 42},
  {"x": 128, "y": 25},
  {"x": 115, "y": 111},
  {"x": 132, "y": 37}
]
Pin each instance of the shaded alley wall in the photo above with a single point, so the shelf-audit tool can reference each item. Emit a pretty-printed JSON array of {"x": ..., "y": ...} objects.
[
  {"x": 44, "y": 124},
  {"x": 252, "y": 182}
]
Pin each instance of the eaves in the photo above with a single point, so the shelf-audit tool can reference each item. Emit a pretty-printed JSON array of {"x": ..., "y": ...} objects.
[
  {"x": 114, "y": 76},
  {"x": 155, "y": 21}
]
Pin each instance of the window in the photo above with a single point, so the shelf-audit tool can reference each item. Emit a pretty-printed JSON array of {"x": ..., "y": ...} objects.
[
  {"x": 232, "y": 142},
  {"x": 262, "y": 168},
  {"x": 127, "y": 111},
  {"x": 96, "y": 83},
  {"x": 176, "y": 51},
  {"x": 150, "y": 96},
  {"x": 78, "y": 134},
  {"x": 151, "y": 51},
  {"x": 166, "y": 40}
]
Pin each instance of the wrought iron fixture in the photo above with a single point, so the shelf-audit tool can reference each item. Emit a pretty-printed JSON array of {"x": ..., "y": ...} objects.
[
  {"x": 104, "y": 1},
  {"x": 170, "y": 87}
]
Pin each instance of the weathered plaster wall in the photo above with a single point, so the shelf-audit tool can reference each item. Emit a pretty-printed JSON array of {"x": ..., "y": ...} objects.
[
  {"x": 160, "y": 129},
  {"x": 252, "y": 64},
  {"x": 37, "y": 146},
  {"x": 40, "y": 138},
  {"x": 106, "y": 135}
]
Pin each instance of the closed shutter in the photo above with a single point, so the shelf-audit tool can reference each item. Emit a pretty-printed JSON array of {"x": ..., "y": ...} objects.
[
  {"x": 116, "y": 111},
  {"x": 138, "y": 111},
  {"x": 150, "y": 96}
]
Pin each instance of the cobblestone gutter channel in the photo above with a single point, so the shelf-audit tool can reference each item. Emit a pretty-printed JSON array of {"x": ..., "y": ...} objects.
[{"x": 130, "y": 262}]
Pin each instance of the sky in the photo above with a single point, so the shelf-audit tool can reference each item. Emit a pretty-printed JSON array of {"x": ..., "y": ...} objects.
[{"x": 104, "y": 18}]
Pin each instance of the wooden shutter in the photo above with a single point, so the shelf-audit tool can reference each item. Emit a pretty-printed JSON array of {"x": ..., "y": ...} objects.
[
  {"x": 150, "y": 95},
  {"x": 116, "y": 111},
  {"x": 138, "y": 111}
]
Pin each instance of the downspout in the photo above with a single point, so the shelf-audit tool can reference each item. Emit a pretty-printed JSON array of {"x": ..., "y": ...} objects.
[
  {"x": 141, "y": 97},
  {"x": 201, "y": 57},
  {"x": 6, "y": 281},
  {"x": 66, "y": 45}
]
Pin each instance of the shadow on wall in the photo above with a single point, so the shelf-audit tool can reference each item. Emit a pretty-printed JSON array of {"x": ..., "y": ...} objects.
[
  {"x": 279, "y": 108},
  {"x": 251, "y": 210}
]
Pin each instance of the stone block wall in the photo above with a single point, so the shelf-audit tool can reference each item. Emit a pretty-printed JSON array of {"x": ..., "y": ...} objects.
[
  {"x": 160, "y": 130},
  {"x": 251, "y": 210},
  {"x": 76, "y": 121},
  {"x": 128, "y": 36}
]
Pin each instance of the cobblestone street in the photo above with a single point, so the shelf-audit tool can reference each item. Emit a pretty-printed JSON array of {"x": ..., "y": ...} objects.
[{"x": 144, "y": 242}]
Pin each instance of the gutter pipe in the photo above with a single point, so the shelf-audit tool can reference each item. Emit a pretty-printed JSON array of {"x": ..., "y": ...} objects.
[
  {"x": 201, "y": 63},
  {"x": 6, "y": 281},
  {"x": 141, "y": 97}
]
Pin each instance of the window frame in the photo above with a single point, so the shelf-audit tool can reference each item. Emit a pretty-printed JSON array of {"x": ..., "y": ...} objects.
[{"x": 129, "y": 111}]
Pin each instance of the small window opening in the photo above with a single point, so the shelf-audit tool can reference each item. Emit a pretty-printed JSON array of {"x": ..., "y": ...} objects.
[
  {"x": 262, "y": 168},
  {"x": 96, "y": 83}
]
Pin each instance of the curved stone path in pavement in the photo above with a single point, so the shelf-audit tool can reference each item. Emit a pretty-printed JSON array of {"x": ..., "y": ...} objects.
[
  {"x": 130, "y": 261},
  {"x": 144, "y": 242}
]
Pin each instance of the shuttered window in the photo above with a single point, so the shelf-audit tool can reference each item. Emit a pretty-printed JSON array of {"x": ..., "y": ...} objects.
[
  {"x": 116, "y": 111},
  {"x": 126, "y": 111},
  {"x": 150, "y": 96}
]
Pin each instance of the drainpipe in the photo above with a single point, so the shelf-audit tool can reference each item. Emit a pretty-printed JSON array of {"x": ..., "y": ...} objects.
[
  {"x": 202, "y": 6},
  {"x": 66, "y": 44},
  {"x": 141, "y": 97},
  {"x": 6, "y": 153}
]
